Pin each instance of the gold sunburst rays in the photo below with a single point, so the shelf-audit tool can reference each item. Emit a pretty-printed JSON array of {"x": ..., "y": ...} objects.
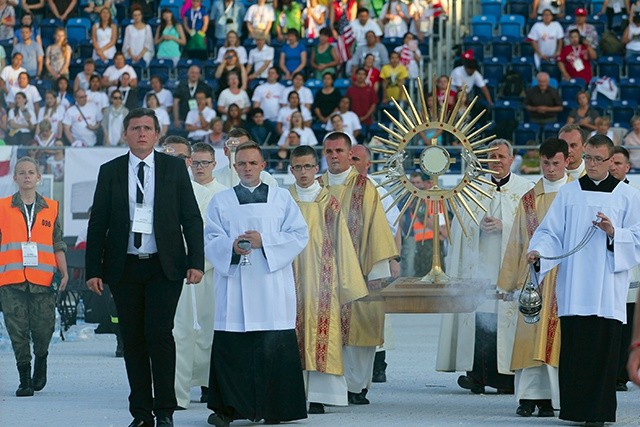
[{"x": 435, "y": 160}]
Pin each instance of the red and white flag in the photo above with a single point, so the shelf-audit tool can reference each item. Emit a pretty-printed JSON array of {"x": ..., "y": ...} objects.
[
  {"x": 345, "y": 39},
  {"x": 8, "y": 157}
]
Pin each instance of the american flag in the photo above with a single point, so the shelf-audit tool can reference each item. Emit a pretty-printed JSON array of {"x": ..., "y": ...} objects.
[
  {"x": 345, "y": 39},
  {"x": 405, "y": 55}
]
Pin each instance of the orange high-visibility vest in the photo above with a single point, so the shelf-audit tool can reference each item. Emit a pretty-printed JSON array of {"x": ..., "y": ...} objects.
[
  {"x": 420, "y": 233},
  {"x": 14, "y": 232}
]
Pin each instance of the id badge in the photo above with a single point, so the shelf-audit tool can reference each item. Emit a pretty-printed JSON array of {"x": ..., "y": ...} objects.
[
  {"x": 193, "y": 105},
  {"x": 29, "y": 254},
  {"x": 142, "y": 220},
  {"x": 617, "y": 8},
  {"x": 424, "y": 26},
  {"x": 578, "y": 65}
]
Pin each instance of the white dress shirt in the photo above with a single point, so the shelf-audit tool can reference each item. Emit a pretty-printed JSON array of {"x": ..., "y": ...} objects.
[{"x": 148, "y": 240}]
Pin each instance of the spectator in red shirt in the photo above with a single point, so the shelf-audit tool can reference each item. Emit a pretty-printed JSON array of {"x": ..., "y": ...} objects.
[
  {"x": 364, "y": 99},
  {"x": 575, "y": 59}
]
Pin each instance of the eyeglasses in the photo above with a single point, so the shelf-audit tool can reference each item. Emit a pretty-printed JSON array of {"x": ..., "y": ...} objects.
[
  {"x": 306, "y": 167},
  {"x": 202, "y": 163},
  {"x": 597, "y": 159}
]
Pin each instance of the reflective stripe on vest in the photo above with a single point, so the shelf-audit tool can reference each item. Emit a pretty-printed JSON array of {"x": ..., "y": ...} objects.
[
  {"x": 14, "y": 233},
  {"x": 419, "y": 232}
]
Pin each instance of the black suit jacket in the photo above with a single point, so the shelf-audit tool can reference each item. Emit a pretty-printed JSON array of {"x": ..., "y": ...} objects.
[{"x": 175, "y": 214}]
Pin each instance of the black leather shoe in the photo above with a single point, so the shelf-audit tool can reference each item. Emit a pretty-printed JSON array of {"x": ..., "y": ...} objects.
[
  {"x": 357, "y": 398},
  {"x": 316, "y": 408},
  {"x": 468, "y": 383},
  {"x": 271, "y": 422},
  {"x": 164, "y": 420},
  {"x": 218, "y": 420},
  {"x": 545, "y": 409},
  {"x": 622, "y": 387},
  {"x": 526, "y": 408},
  {"x": 594, "y": 424},
  {"x": 39, "y": 379},
  {"x": 137, "y": 422},
  {"x": 204, "y": 394}
]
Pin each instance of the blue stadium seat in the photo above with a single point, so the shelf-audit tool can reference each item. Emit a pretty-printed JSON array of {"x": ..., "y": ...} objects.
[
  {"x": 139, "y": 68},
  {"x": 633, "y": 67},
  {"x": 610, "y": 66},
  {"x": 552, "y": 82},
  {"x": 622, "y": 111},
  {"x": 551, "y": 130},
  {"x": 504, "y": 111},
  {"x": 519, "y": 7},
  {"x": 253, "y": 84},
  {"x": 596, "y": 6},
  {"x": 566, "y": 110},
  {"x": 526, "y": 49},
  {"x": 598, "y": 22},
  {"x": 48, "y": 28},
  {"x": 173, "y": 5},
  {"x": 391, "y": 43},
  {"x": 629, "y": 89},
  {"x": 314, "y": 84},
  {"x": 512, "y": 25},
  {"x": 209, "y": 67},
  {"x": 78, "y": 30},
  {"x": 569, "y": 89},
  {"x": 342, "y": 85},
  {"x": 601, "y": 104},
  {"x": 482, "y": 26},
  {"x": 503, "y": 47},
  {"x": 491, "y": 7},
  {"x": 493, "y": 68},
  {"x": 492, "y": 87},
  {"x": 101, "y": 66},
  {"x": 161, "y": 68},
  {"x": 566, "y": 21},
  {"x": 476, "y": 45},
  {"x": 570, "y": 7},
  {"x": 75, "y": 67},
  {"x": 85, "y": 49},
  {"x": 8, "y": 48},
  {"x": 551, "y": 68},
  {"x": 524, "y": 67},
  {"x": 183, "y": 67},
  {"x": 526, "y": 132},
  {"x": 154, "y": 24},
  {"x": 42, "y": 85}
]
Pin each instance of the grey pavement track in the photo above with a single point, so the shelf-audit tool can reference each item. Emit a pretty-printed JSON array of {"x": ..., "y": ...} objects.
[{"x": 87, "y": 386}]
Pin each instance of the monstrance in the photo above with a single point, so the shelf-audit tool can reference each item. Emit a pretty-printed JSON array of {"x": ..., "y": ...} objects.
[{"x": 435, "y": 161}]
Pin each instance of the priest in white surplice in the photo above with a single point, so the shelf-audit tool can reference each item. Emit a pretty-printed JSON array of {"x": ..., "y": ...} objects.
[
  {"x": 255, "y": 363},
  {"x": 193, "y": 322},
  {"x": 228, "y": 176},
  {"x": 203, "y": 162},
  {"x": 592, "y": 284},
  {"x": 481, "y": 342},
  {"x": 327, "y": 276}
]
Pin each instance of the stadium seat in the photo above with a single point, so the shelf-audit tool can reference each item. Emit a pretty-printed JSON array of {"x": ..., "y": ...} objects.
[
  {"x": 183, "y": 67},
  {"x": 76, "y": 66},
  {"x": 601, "y": 104},
  {"x": 503, "y": 47},
  {"x": 504, "y": 111},
  {"x": 518, "y": 7},
  {"x": 551, "y": 130},
  {"x": 551, "y": 68},
  {"x": 526, "y": 49},
  {"x": 391, "y": 43},
  {"x": 633, "y": 67},
  {"x": 78, "y": 30},
  {"x": 610, "y": 66},
  {"x": 85, "y": 49},
  {"x": 482, "y": 26},
  {"x": 48, "y": 28},
  {"x": 598, "y": 22},
  {"x": 512, "y": 25},
  {"x": 491, "y": 7},
  {"x": 629, "y": 89},
  {"x": 526, "y": 132},
  {"x": 8, "y": 48},
  {"x": 524, "y": 67},
  {"x": 596, "y": 6},
  {"x": 493, "y": 68},
  {"x": 161, "y": 68},
  {"x": 552, "y": 82},
  {"x": 569, "y": 89},
  {"x": 571, "y": 5},
  {"x": 492, "y": 87},
  {"x": 314, "y": 84},
  {"x": 173, "y": 5},
  {"x": 622, "y": 111},
  {"x": 476, "y": 45},
  {"x": 342, "y": 85}
]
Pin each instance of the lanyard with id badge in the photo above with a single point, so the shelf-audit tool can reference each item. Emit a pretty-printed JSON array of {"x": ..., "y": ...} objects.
[
  {"x": 29, "y": 248},
  {"x": 142, "y": 215}
]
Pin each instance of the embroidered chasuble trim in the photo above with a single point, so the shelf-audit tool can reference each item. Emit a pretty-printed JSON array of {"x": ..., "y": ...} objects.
[
  {"x": 354, "y": 224},
  {"x": 528, "y": 201}
]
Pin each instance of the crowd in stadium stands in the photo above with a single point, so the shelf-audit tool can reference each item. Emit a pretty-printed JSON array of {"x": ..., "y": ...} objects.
[{"x": 289, "y": 72}]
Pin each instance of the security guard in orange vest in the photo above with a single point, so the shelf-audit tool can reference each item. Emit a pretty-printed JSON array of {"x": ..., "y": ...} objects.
[{"x": 31, "y": 248}]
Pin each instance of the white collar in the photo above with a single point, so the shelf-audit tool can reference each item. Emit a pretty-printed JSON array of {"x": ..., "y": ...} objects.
[
  {"x": 339, "y": 178},
  {"x": 135, "y": 160},
  {"x": 554, "y": 186},
  {"x": 251, "y": 189},
  {"x": 575, "y": 173},
  {"x": 598, "y": 182},
  {"x": 310, "y": 193}
]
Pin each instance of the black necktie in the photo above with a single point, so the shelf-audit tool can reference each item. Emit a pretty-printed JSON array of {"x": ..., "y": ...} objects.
[
  {"x": 501, "y": 182},
  {"x": 137, "y": 237}
]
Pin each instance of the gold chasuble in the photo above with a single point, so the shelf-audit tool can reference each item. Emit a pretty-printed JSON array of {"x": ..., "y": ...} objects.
[
  {"x": 538, "y": 343},
  {"x": 327, "y": 276},
  {"x": 363, "y": 321}
]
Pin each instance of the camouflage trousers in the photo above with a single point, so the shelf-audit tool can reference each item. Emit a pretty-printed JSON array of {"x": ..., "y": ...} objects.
[{"x": 29, "y": 314}]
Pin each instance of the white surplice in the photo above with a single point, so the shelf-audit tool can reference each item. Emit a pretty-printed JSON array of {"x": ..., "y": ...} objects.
[
  {"x": 260, "y": 296},
  {"x": 478, "y": 256}
]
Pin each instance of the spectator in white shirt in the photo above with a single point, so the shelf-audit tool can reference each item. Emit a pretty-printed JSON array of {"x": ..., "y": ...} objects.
[
  {"x": 395, "y": 18},
  {"x": 260, "y": 59},
  {"x": 260, "y": 17},
  {"x": 165, "y": 97},
  {"x": 95, "y": 94},
  {"x": 546, "y": 38},
  {"x": 151, "y": 101},
  {"x": 112, "y": 74},
  {"x": 232, "y": 41},
  {"x": 197, "y": 122},
  {"x": 284, "y": 115},
  {"x": 10, "y": 73},
  {"x": 316, "y": 15},
  {"x": 268, "y": 95},
  {"x": 362, "y": 25},
  {"x": 307, "y": 137},
  {"x": 468, "y": 74},
  {"x": 82, "y": 121},
  {"x": 21, "y": 121},
  {"x": 53, "y": 112},
  {"x": 233, "y": 94},
  {"x": 305, "y": 94},
  {"x": 29, "y": 90},
  {"x": 350, "y": 121}
]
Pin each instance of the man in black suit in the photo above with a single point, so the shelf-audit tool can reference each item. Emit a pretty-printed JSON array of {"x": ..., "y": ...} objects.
[{"x": 143, "y": 206}]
